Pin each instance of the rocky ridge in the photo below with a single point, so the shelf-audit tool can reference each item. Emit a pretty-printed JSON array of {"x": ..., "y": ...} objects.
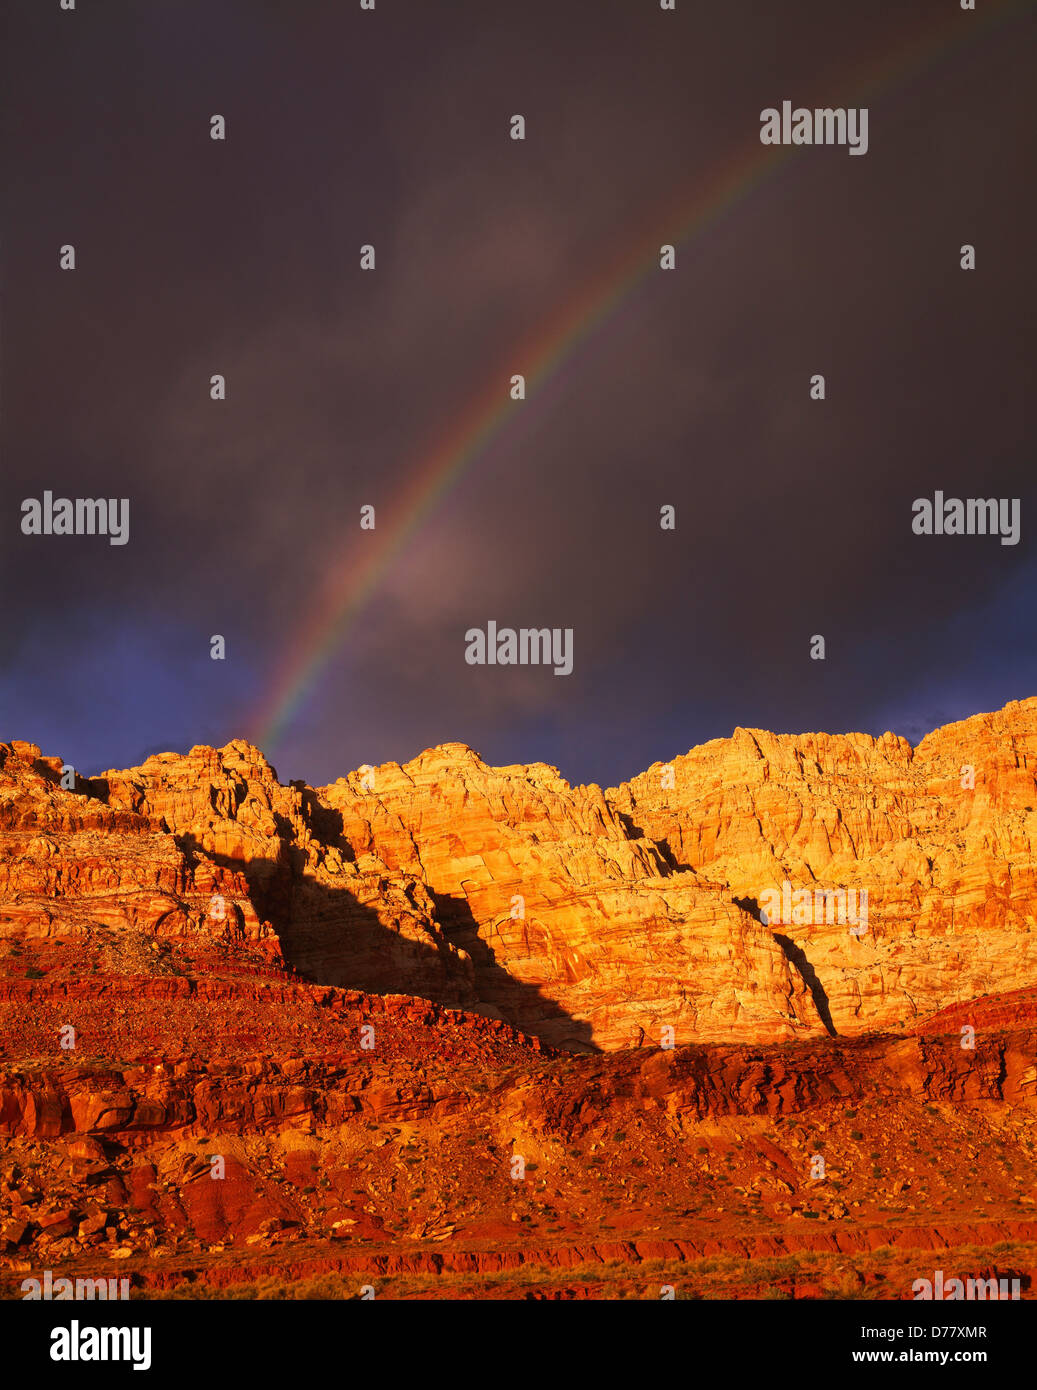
[
  {"x": 252, "y": 1032},
  {"x": 594, "y": 919}
]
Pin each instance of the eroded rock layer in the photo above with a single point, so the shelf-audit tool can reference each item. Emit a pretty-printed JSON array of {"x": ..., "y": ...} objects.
[
  {"x": 359, "y": 1140},
  {"x": 686, "y": 905},
  {"x": 271, "y": 1039},
  {"x": 940, "y": 837}
]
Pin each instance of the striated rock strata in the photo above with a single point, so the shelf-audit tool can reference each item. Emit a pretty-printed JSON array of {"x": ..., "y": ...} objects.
[
  {"x": 594, "y": 919},
  {"x": 267, "y": 1038}
]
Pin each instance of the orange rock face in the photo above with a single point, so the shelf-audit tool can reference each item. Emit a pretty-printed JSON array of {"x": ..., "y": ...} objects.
[
  {"x": 577, "y": 927},
  {"x": 340, "y": 917},
  {"x": 73, "y": 868},
  {"x": 253, "y": 1031},
  {"x": 594, "y": 919},
  {"x": 940, "y": 837},
  {"x": 642, "y": 904}
]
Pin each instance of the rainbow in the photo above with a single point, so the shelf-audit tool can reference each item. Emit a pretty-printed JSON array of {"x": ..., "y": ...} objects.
[{"x": 349, "y": 583}]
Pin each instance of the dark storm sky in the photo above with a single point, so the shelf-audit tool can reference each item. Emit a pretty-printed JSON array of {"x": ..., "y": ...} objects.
[{"x": 344, "y": 127}]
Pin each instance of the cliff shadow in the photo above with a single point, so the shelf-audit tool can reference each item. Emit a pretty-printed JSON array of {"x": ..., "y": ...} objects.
[
  {"x": 329, "y": 937},
  {"x": 525, "y": 1006},
  {"x": 797, "y": 958},
  {"x": 637, "y": 832}
]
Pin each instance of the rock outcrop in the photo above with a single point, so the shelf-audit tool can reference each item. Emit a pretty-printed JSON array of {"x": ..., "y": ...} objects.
[
  {"x": 576, "y": 929},
  {"x": 252, "y": 1032},
  {"x": 686, "y": 905},
  {"x": 940, "y": 837}
]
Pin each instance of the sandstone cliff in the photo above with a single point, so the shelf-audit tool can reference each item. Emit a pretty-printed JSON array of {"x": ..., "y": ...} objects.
[
  {"x": 940, "y": 836},
  {"x": 595, "y": 919},
  {"x": 577, "y": 929},
  {"x": 206, "y": 973}
]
